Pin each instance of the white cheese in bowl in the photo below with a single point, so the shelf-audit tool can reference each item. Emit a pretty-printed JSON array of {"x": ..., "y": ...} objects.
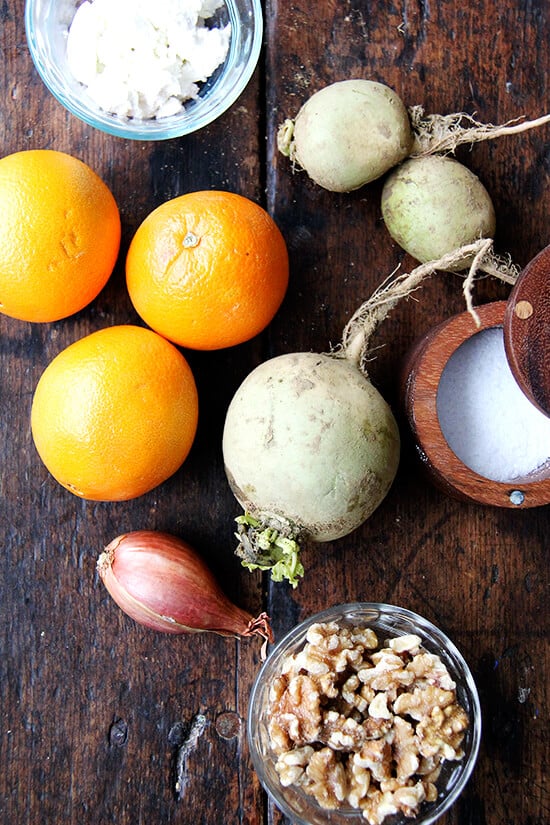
[{"x": 145, "y": 58}]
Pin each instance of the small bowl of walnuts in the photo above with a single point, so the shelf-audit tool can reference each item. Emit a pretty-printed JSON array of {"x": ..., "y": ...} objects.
[{"x": 364, "y": 713}]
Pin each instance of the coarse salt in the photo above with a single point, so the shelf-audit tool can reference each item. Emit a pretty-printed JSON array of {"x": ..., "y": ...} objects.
[
  {"x": 485, "y": 417},
  {"x": 144, "y": 59}
]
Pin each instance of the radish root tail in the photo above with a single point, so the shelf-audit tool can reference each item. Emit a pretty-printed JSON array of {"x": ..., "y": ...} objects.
[
  {"x": 442, "y": 134},
  {"x": 478, "y": 257}
]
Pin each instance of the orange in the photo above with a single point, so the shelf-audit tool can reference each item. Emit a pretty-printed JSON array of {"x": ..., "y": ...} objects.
[
  {"x": 59, "y": 235},
  {"x": 207, "y": 269},
  {"x": 115, "y": 413}
]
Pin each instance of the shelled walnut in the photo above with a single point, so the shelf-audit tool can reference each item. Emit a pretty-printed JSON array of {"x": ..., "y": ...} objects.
[{"x": 356, "y": 723}]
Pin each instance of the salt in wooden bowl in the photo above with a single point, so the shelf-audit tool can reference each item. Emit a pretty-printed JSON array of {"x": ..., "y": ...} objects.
[{"x": 423, "y": 372}]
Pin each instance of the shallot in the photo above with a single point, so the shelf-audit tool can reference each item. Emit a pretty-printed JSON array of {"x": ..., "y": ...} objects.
[{"x": 161, "y": 582}]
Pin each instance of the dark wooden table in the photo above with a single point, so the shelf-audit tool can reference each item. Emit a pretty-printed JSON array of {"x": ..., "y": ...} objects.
[{"x": 93, "y": 708}]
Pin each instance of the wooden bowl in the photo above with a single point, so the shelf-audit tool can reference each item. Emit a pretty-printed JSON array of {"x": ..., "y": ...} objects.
[
  {"x": 421, "y": 375},
  {"x": 527, "y": 331}
]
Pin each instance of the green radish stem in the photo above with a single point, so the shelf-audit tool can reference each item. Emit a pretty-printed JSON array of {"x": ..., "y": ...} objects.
[{"x": 271, "y": 545}]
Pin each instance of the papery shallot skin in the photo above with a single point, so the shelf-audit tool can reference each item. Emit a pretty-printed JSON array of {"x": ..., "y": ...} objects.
[{"x": 161, "y": 582}]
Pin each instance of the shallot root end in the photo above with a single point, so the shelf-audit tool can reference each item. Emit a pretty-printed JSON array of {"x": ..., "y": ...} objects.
[{"x": 261, "y": 626}]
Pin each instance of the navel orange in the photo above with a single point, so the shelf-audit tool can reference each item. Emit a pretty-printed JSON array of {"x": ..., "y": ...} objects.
[
  {"x": 59, "y": 235},
  {"x": 115, "y": 413},
  {"x": 207, "y": 269}
]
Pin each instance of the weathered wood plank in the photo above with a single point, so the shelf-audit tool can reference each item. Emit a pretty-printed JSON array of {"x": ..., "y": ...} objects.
[
  {"x": 94, "y": 709},
  {"x": 479, "y": 573},
  {"x": 90, "y": 703}
]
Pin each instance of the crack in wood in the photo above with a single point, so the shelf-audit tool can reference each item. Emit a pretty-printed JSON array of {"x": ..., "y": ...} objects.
[{"x": 185, "y": 737}]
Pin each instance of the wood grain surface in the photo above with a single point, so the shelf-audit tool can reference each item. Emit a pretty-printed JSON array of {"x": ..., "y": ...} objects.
[{"x": 94, "y": 709}]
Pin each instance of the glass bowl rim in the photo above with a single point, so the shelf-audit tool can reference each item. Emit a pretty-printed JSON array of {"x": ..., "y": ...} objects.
[
  {"x": 467, "y": 683},
  {"x": 149, "y": 130}
]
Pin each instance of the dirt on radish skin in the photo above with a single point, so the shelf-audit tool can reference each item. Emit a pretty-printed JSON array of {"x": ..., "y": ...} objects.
[
  {"x": 348, "y": 134},
  {"x": 310, "y": 449},
  {"x": 352, "y": 132},
  {"x": 310, "y": 446},
  {"x": 433, "y": 204}
]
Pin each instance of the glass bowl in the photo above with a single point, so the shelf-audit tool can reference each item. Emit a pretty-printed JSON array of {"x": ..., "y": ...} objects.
[
  {"x": 387, "y": 621},
  {"x": 47, "y": 21}
]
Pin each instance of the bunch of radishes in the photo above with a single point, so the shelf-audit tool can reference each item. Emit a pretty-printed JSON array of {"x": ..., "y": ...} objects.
[
  {"x": 355, "y": 131},
  {"x": 310, "y": 446}
]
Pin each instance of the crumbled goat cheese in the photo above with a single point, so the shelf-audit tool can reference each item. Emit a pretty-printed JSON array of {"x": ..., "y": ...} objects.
[{"x": 144, "y": 59}]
